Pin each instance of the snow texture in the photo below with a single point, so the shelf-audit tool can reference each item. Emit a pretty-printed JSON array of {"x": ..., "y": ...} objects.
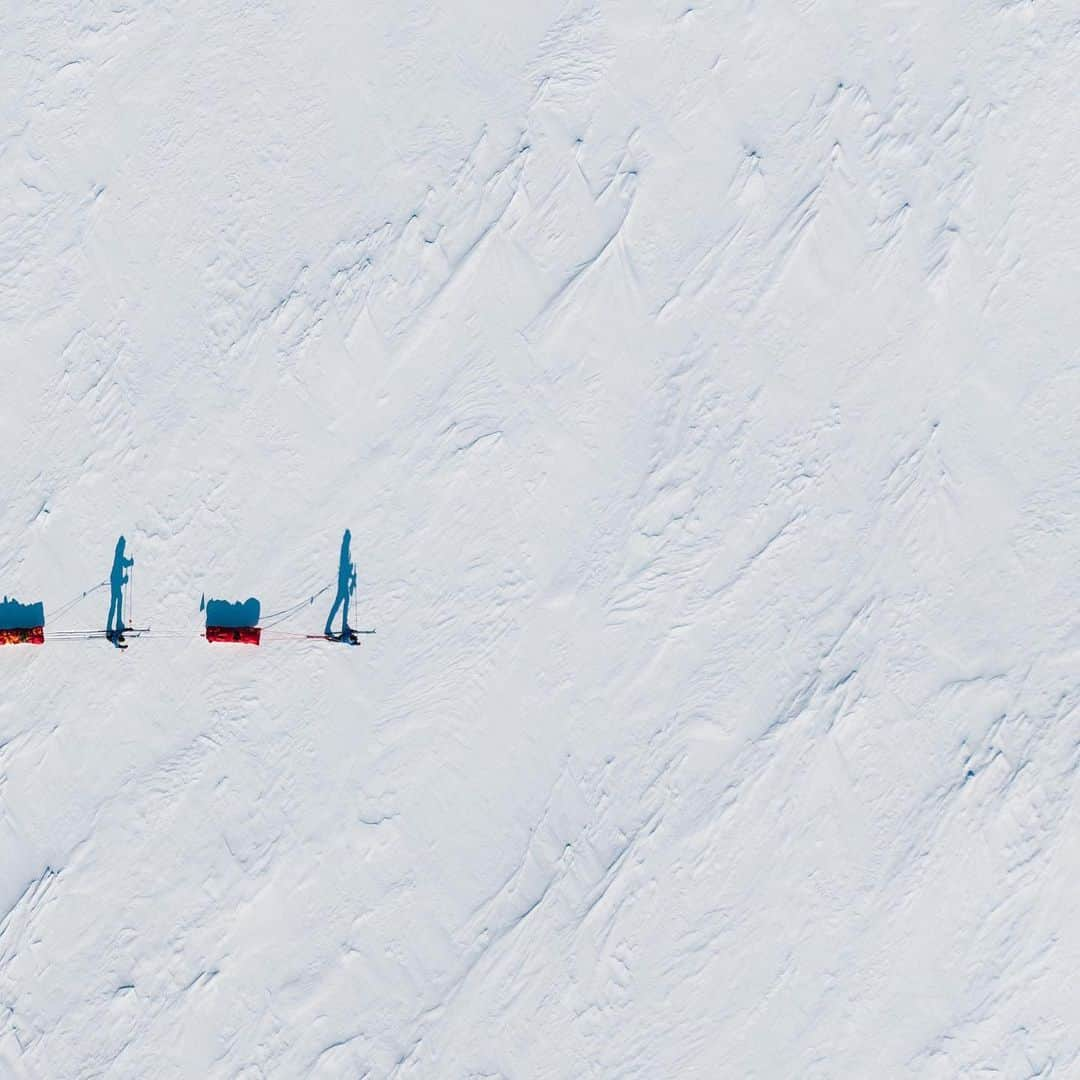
[{"x": 700, "y": 385}]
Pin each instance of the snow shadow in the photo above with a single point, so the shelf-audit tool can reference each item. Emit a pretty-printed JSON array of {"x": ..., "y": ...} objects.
[
  {"x": 118, "y": 578},
  {"x": 16, "y": 616},
  {"x": 233, "y": 614},
  {"x": 345, "y": 587}
]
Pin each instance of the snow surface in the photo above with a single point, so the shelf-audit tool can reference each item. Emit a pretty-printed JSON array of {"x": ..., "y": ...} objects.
[{"x": 700, "y": 385}]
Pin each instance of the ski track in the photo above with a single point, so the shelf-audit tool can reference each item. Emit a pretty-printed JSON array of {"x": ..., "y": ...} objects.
[{"x": 699, "y": 384}]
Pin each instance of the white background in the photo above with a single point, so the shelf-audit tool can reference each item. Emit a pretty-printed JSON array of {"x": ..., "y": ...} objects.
[{"x": 700, "y": 385}]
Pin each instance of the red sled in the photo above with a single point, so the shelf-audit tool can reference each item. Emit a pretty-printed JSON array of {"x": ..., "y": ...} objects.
[
  {"x": 234, "y": 635},
  {"x": 23, "y": 635}
]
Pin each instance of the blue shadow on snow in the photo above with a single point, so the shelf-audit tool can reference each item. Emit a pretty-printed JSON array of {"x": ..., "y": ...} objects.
[
  {"x": 346, "y": 587},
  {"x": 224, "y": 613},
  {"x": 16, "y": 616},
  {"x": 118, "y": 578}
]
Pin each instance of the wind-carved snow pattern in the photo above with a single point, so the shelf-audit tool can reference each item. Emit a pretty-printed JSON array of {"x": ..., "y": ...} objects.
[
  {"x": 698, "y": 385},
  {"x": 394, "y": 276}
]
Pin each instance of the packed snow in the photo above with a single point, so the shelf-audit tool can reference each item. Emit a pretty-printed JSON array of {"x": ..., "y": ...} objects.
[{"x": 699, "y": 384}]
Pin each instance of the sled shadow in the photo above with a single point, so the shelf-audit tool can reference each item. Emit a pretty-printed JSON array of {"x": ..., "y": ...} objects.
[
  {"x": 16, "y": 616},
  {"x": 238, "y": 614}
]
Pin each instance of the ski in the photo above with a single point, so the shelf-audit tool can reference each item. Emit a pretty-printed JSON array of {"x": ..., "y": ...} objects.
[
  {"x": 120, "y": 641},
  {"x": 352, "y": 639}
]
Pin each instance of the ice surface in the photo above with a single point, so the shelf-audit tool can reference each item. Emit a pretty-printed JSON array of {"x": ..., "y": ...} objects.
[{"x": 700, "y": 385}]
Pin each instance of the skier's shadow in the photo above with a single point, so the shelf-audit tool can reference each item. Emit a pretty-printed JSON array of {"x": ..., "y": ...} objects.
[
  {"x": 16, "y": 616},
  {"x": 345, "y": 587},
  {"x": 233, "y": 615}
]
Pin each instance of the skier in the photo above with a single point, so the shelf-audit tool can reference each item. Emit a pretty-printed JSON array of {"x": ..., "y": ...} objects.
[
  {"x": 346, "y": 585},
  {"x": 117, "y": 580}
]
